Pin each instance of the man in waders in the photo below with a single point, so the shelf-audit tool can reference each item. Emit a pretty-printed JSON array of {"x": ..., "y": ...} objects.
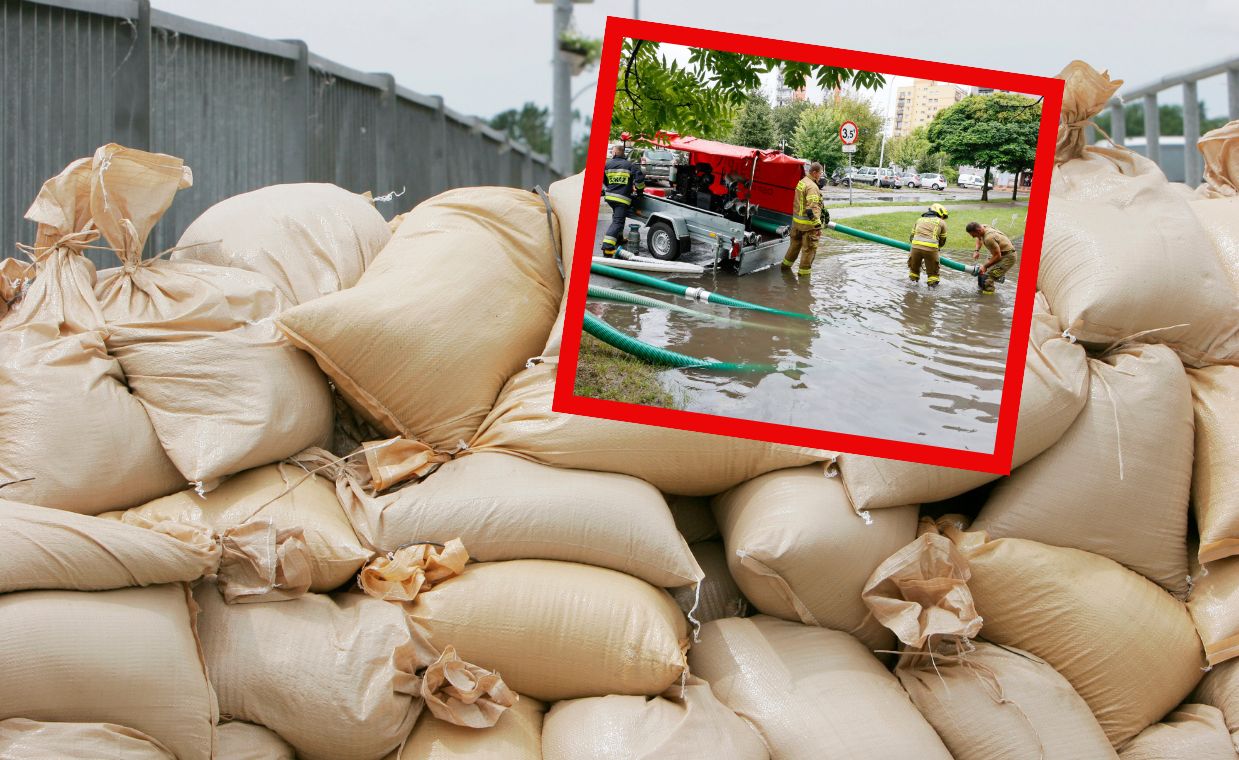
[
  {"x": 808, "y": 216},
  {"x": 622, "y": 181},
  {"x": 1001, "y": 255},
  {"x": 928, "y": 236}
]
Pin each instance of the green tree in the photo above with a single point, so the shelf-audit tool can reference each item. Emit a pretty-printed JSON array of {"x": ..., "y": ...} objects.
[
  {"x": 530, "y": 123},
  {"x": 993, "y": 131},
  {"x": 755, "y": 126},
  {"x": 704, "y": 96},
  {"x": 910, "y": 151},
  {"x": 1169, "y": 120},
  {"x": 785, "y": 120},
  {"x": 817, "y": 135}
]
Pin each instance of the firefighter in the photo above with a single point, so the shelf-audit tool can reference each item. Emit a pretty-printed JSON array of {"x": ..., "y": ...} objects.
[
  {"x": 808, "y": 216},
  {"x": 622, "y": 182},
  {"x": 1001, "y": 255},
  {"x": 928, "y": 236}
]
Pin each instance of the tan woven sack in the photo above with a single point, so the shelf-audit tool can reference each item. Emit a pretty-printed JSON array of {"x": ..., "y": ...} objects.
[
  {"x": 22, "y": 739},
  {"x": 1215, "y": 479},
  {"x": 799, "y": 552},
  {"x": 718, "y": 595},
  {"x": 811, "y": 692},
  {"x": 677, "y": 726},
  {"x": 239, "y": 740},
  {"x": 558, "y": 630},
  {"x": 453, "y": 306},
  {"x": 224, "y": 391},
  {"x": 43, "y": 548},
  {"x": 1192, "y": 732},
  {"x": 1217, "y": 202},
  {"x": 565, "y": 197},
  {"x": 128, "y": 657},
  {"x": 1117, "y": 483},
  {"x": 517, "y": 736},
  {"x": 310, "y": 239},
  {"x": 1220, "y": 688},
  {"x": 1214, "y": 605}
]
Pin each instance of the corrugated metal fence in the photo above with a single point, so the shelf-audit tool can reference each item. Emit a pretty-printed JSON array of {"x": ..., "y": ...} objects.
[{"x": 242, "y": 111}]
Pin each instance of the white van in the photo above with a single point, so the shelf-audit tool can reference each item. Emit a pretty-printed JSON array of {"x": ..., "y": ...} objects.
[{"x": 972, "y": 180}]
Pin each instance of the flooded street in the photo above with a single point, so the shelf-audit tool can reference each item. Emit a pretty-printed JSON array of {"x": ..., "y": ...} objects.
[{"x": 886, "y": 359}]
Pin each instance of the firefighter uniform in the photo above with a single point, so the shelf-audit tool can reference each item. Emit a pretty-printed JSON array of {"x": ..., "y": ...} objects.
[
  {"x": 927, "y": 237},
  {"x": 806, "y": 225},
  {"x": 999, "y": 245},
  {"x": 622, "y": 180}
]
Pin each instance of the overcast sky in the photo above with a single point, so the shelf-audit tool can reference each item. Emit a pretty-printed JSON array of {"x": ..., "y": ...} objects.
[{"x": 485, "y": 56}]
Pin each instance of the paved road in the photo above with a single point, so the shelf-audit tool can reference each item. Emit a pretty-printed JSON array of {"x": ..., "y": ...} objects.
[{"x": 854, "y": 211}]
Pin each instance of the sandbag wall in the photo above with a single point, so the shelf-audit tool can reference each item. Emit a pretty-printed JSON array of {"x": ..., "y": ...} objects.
[{"x": 296, "y": 490}]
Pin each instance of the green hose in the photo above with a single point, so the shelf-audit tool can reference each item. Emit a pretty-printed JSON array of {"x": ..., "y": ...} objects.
[
  {"x": 765, "y": 225},
  {"x": 699, "y": 294},
  {"x": 655, "y": 355},
  {"x": 623, "y": 296},
  {"x": 948, "y": 263}
]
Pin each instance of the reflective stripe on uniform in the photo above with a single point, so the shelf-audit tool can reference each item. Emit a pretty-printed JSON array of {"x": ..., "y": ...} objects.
[
  {"x": 617, "y": 199},
  {"x": 803, "y": 220},
  {"x": 617, "y": 177},
  {"x": 924, "y": 238},
  {"x": 608, "y": 239}
]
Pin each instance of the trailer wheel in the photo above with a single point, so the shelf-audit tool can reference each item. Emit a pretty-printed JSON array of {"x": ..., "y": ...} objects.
[{"x": 662, "y": 242}]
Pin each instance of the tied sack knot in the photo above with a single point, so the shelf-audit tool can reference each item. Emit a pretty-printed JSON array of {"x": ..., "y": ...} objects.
[{"x": 464, "y": 694}]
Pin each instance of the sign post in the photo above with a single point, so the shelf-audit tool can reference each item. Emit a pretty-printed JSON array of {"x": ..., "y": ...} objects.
[{"x": 848, "y": 132}]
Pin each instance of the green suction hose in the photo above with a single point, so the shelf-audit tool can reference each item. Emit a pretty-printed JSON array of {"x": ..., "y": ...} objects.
[
  {"x": 655, "y": 355},
  {"x": 971, "y": 269},
  {"x": 699, "y": 294},
  {"x": 623, "y": 296}
]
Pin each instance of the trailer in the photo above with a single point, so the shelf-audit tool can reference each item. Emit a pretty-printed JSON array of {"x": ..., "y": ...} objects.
[{"x": 737, "y": 200}]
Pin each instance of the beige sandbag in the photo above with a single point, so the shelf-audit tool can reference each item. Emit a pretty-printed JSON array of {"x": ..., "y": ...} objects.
[
  {"x": 799, "y": 552},
  {"x": 128, "y": 656},
  {"x": 503, "y": 507},
  {"x": 1192, "y": 732},
  {"x": 224, "y": 391},
  {"x": 1214, "y": 605},
  {"x": 1125, "y": 645},
  {"x": 335, "y": 677},
  {"x": 675, "y": 461},
  {"x": 1117, "y": 483},
  {"x": 286, "y": 495},
  {"x": 1216, "y": 201},
  {"x": 239, "y": 740},
  {"x": 43, "y": 548},
  {"x": 310, "y": 239},
  {"x": 811, "y": 692},
  {"x": 1220, "y": 688},
  {"x": 1056, "y": 387},
  {"x": 71, "y": 435},
  {"x": 517, "y": 736},
  {"x": 558, "y": 630},
  {"x": 460, "y": 298},
  {"x": 685, "y": 724},
  {"x": 718, "y": 595},
  {"x": 1215, "y": 478},
  {"x": 1000, "y": 703},
  {"x": 14, "y": 277},
  {"x": 22, "y": 739},
  {"x": 1124, "y": 253},
  {"x": 693, "y": 518},
  {"x": 565, "y": 197}
]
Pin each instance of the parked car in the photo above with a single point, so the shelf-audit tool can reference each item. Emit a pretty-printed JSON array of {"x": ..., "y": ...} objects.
[
  {"x": 864, "y": 175},
  {"x": 910, "y": 179},
  {"x": 972, "y": 181},
  {"x": 888, "y": 178},
  {"x": 932, "y": 181},
  {"x": 658, "y": 164}
]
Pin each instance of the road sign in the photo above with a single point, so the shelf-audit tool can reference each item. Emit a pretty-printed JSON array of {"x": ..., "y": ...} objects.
[
  {"x": 849, "y": 148},
  {"x": 848, "y": 132}
]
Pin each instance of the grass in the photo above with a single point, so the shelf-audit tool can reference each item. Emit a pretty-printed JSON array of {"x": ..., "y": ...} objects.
[
  {"x": 608, "y": 373},
  {"x": 899, "y": 225},
  {"x": 1023, "y": 201}
]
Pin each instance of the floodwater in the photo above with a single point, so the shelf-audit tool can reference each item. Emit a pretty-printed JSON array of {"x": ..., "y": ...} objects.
[{"x": 886, "y": 358}]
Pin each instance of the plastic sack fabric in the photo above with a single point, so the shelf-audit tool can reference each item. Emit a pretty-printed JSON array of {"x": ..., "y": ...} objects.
[
  {"x": 503, "y": 508},
  {"x": 283, "y": 529},
  {"x": 1192, "y": 732},
  {"x": 335, "y": 677},
  {"x": 1215, "y": 479},
  {"x": 1214, "y": 605},
  {"x": 674, "y": 461},
  {"x": 43, "y": 548},
  {"x": 71, "y": 435},
  {"x": 565, "y": 197},
  {"x": 799, "y": 552},
  {"x": 1117, "y": 483},
  {"x": 129, "y": 657},
  {"x": 14, "y": 276},
  {"x": 1220, "y": 688},
  {"x": 1124, "y": 254},
  {"x": 453, "y": 306},
  {"x": 558, "y": 630},
  {"x": 239, "y": 740},
  {"x": 1056, "y": 388},
  {"x": 811, "y": 693},
  {"x": 1217, "y": 201},
  {"x": 22, "y": 739},
  {"x": 676, "y": 726},
  {"x": 516, "y": 736},
  {"x": 693, "y": 518},
  {"x": 310, "y": 239},
  {"x": 718, "y": 595},
  {"x": 1124, "y": 644},
  {"x": 224, "y": 391}
]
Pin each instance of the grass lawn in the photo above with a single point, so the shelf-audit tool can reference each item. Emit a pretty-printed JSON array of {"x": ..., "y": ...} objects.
[
  {"x": 608, "y": 373},
  {"x": 1023, "y": 201},
  {"x": 899, "y": 225}
]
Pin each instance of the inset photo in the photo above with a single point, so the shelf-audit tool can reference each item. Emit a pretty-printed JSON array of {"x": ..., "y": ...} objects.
[{"x": 808, "y": 245}]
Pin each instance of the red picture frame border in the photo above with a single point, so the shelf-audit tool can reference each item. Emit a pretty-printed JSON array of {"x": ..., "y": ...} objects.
[{"x": 998, "y": 462}]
